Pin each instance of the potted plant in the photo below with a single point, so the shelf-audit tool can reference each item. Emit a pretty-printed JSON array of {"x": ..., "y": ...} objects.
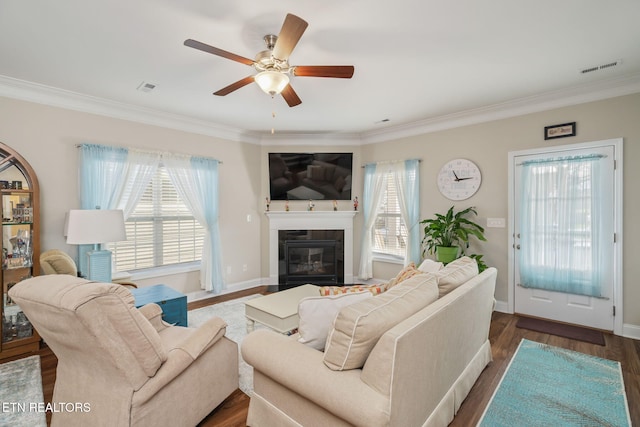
[{"x": 448, "y": 235}]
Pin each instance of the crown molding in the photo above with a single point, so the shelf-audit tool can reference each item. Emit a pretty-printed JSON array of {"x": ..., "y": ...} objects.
[
  {"x": 588, "y": 92},
  {"x": 299, "y": 138},
  {"x": 47, "y": 95}
]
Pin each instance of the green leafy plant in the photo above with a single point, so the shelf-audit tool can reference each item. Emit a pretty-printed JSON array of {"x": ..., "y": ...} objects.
[
  {"x": 482, "y": 266},
  {"x": 450, "y": 230}
]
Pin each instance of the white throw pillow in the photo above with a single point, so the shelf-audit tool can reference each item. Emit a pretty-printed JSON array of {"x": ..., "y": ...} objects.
[
  {"x": 430, "y": 266},
  {"x": 455, "y": 274},
  {"x": 317, "y": 314}
]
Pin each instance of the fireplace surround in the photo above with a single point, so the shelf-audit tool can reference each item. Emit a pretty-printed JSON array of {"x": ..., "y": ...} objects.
[{"x": 312, "y": 225}]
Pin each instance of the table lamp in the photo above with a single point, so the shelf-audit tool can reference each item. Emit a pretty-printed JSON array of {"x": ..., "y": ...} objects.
[{"x": 95, "y": 227}]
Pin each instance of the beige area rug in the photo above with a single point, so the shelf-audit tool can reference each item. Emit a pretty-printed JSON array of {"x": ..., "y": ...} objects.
[
  {"x": 21, "y": 398},
  {"x": 233, "y": 313}
]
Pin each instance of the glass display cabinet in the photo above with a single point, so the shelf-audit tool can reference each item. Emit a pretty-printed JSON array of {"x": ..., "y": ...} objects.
[{"x": 19, "y": 204}]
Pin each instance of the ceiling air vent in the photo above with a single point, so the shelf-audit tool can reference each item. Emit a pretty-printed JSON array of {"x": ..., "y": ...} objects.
[
  {"x": 146, "y": 87},
  {"x": 602, "y": 67}
]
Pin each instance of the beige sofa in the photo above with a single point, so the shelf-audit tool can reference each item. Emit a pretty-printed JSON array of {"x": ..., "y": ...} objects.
[
  {"x": 417, "y": 373},
  {"x": 124, "y": 366}
]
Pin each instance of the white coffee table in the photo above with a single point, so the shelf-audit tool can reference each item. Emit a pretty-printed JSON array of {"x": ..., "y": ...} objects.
[{"x": 279, "y": 311}]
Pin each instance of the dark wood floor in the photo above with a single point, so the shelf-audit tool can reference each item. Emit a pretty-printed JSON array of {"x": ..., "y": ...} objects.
[{"x": 504, "y": 337}]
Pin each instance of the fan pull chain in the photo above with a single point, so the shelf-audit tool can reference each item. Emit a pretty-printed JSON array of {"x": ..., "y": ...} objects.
[{"x": 273, "y": 114}]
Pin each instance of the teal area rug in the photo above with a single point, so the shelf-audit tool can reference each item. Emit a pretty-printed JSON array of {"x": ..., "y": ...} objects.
[
  {"x": 551, "y": 386},
  {"x": 21, "y": 398},
  {"x": 233, "y": 313}
]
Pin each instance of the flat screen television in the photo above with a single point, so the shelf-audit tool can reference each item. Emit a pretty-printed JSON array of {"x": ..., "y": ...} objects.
[{"x": 310, "y": 176}]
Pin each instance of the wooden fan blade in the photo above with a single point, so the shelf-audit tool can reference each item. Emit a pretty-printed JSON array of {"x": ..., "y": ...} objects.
[
  {"x": 337, "y": 71},
  {"x": 290, "y": 33},
  {"x": 291, "y": 96},
  {"x": 214, "y": 50},
  {"x": 234, "y": 86}
]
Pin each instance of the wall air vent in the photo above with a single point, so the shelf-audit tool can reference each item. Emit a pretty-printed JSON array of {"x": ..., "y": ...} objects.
[
  {"x": 146, "y": 87},
  {"x": 601, "y": 67}
]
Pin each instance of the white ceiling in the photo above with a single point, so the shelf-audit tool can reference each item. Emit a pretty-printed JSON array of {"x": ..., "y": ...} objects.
[{"x": 415, "y": 60}]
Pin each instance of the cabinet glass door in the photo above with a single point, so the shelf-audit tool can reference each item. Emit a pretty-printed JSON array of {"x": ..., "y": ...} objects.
[{"x": 17, "y": 208}]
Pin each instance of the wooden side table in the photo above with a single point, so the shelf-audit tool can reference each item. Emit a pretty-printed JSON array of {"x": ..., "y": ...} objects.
[{"x": 172, "y": 302}]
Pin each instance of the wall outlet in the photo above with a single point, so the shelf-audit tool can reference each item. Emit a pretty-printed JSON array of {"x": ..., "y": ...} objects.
[
  {"x": 244, "y": 267},
  {"x": 496, "y": 223}
]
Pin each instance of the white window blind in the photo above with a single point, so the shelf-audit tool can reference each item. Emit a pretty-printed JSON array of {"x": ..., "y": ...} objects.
[
  {"x": 161, "y": 230},
  {"x": 389, "y": 232}
]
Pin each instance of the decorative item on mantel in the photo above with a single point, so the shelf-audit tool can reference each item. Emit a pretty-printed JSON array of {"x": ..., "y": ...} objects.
[
  {"x": 311, "y": 206},
  {"x": 355, "y": 204},
  {"x": 267, "y": 204},
  {"x": 286, "y": 205},
  {"x": 335, "y": 205}
]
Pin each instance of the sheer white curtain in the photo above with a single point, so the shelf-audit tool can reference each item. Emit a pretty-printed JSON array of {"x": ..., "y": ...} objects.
[
  {"x": 196, "y": 181},
  {"x": 141, "y": 166},
  {"x": 563, "y": 225},
  {"x": 406, "y": 176},
  {"x": 112, "y": 178},
  {"x": 374, "y": 182}
]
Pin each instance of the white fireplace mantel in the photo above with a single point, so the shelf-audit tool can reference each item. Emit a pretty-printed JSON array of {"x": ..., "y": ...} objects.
[{"x": 310, "y": 220}]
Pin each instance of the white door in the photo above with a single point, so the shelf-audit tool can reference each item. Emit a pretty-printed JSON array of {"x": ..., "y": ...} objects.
[{"x": 564, "y": 235}]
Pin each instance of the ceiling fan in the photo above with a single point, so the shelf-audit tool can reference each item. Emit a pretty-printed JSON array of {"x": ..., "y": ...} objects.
[{"x": 273, "y": 64}]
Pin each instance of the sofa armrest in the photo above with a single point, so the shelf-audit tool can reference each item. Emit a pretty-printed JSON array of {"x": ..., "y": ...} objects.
[
  {"x": 153, "y": 313},
  {"x": 301, "y": 369},
  {"x": 203, "y": 337}
]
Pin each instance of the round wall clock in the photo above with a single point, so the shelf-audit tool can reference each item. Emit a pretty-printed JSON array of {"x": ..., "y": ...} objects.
[{"x": 459, "y": 179}]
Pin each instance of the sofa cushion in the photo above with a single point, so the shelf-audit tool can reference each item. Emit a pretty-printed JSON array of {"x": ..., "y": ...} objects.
[
  {"x": 404, "y": 274},
  {"x": 358, "y": 327},
  {"x": 337, "y": 290},
  {"x": 455, "y": 274},
  {"x": 430, "y": 266},
  {"x": 317, "y": 314}
]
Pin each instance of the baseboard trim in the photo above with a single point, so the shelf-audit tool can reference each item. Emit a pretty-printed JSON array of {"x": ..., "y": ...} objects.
[
  {"x": 631, "y": 331},
  {"x": 231, "y": 288},
  {"x": 502, "y": 307},
  {"x": 628, "y": 330}
]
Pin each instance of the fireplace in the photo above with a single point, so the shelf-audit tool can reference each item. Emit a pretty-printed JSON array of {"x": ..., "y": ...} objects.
[
  {"x": 305, "y": 226},
  {"x": 310, "y": 261},
  {"x": 310, "y": 256}
]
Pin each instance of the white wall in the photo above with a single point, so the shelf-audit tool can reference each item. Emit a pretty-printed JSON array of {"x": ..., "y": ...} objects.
[{"x": 47, "y": 137}]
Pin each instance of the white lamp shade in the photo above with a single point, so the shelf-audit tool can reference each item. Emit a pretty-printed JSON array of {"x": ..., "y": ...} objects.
[
  {"x": 272, "y": 82},
  {"x": 95, "y": 226}
]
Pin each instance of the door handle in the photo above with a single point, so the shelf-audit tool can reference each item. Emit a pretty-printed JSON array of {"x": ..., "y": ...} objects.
[{"x": 518, "y": 247}]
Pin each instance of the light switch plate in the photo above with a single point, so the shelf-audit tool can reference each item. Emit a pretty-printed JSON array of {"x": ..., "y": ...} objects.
[{"x": 496, "y": 223}]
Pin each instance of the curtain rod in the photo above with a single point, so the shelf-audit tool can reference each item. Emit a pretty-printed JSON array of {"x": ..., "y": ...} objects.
[
  {"x": 387, "y": 162},
  {"x": 563, "y": 159},
  {"x": 148, "y": 151}
]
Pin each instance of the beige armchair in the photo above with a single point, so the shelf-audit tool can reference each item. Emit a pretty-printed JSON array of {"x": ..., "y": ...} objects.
[
  {"x": 54, "y": 261},
  {"x": 124, "y": 366}
]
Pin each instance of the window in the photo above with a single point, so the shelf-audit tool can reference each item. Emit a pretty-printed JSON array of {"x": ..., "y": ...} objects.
[
  {"x": 161, "y": 230},
  {"x": 389, "y": 232}
]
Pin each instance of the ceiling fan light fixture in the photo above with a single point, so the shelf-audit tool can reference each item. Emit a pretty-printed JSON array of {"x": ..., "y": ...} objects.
[{"x": 272, "y": 82}]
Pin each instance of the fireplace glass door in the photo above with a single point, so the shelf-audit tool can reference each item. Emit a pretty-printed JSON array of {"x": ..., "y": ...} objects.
[{"x": 311, "y": 261}]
